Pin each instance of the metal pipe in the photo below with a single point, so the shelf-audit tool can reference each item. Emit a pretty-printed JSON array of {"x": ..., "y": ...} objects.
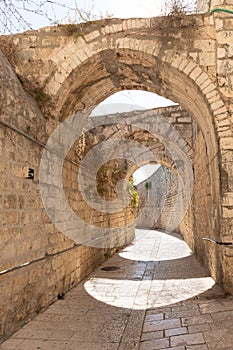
[
  {"x": 217, "y": 242},
  {"x": 31, "y": 138},
  {"x": 38, "y": 260},
  {"x": 221, "y": 10}
]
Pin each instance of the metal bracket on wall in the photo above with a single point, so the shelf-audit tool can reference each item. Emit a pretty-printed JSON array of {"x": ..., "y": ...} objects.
[{"x": 30, "y": 174}]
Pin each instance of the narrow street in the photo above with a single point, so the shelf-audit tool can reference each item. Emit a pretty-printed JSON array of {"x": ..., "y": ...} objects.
[{"x": 152, "y": 295}]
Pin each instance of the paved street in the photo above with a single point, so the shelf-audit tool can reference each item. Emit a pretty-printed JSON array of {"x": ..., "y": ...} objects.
[{"x": 153, "y": 295}]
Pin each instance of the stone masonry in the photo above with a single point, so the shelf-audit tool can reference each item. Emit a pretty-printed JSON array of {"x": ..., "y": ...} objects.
[
  {"x": 158, "y": 298},
  {"x": 27, "y": 233},
  {"x": 50, "y": 74},
  {"x": 157, "y": 197}
]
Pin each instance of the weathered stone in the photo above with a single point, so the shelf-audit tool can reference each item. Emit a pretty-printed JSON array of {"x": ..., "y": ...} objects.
[{"x": 65, "y": 75}]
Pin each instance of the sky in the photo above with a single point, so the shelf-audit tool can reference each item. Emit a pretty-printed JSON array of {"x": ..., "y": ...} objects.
[
  {"x": 127, "y": 101},
  {"x": 123, "y": 8},
  {"x": 63, "y": 11},
  {"x": 40, "y": 13},
  {"x": 130, "y": 100}
]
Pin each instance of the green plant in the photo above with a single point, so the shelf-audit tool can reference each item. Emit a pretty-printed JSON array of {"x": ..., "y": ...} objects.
[
  {"x": 101, "y": 189},
  {"x": 44, "y": 100},
  {"x": 73, "y": 29},
  {"x": 133, "y": 193},
  {"x": 147, "y": 185},
  {"x": 83, "y": 19},
  {"x": 116, "y": 171},
  {"x": 176, "y": 15},
  {"x": 28, "y": 128},
  {"x": 77, "y": 35},
  {"x": 41, "y": 96},
  {"x": 135, "y": 199},
  {"x": 178, "y": 7}
]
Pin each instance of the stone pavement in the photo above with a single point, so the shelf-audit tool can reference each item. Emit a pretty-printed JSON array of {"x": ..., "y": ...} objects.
[{"x": 153, "y": 295}]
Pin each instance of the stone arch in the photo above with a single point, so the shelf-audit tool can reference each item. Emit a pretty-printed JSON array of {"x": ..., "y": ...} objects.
[
  {"x": 143, "y": 130},
  {"x": 99, "y": 69},
  {"x": 175, "y": 67},
  {"x": 135, "y": 126},
  {"x": 178, "y": 78},
  {"x": 79, "y": 71}
]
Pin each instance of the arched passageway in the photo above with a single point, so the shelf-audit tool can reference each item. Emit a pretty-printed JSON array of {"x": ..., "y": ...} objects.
[
  {"x": 99, "y": 69},
  {"x": 69, "y": 73}
]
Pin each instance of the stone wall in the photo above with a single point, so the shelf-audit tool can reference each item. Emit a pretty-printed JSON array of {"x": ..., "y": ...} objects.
[
  {"x": 190, "y": 62},
  {"x": 224, "y": 33},
  {"x": 164, "y": 181},
  {"x": 158, "y": 205},
  {"x": 159, "y": 194},
  {"x": 157, "y": 198},
  {"x": 27, "y": 233},
  {"x": 38, "y": 263},
  {"x": 203, "y": 222}
]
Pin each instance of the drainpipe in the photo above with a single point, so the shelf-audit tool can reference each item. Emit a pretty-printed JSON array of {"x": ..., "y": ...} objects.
[{"x": 221, "y": 10}]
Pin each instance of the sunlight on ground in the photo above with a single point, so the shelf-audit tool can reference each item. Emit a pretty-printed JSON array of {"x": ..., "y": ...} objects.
[
  {"x": 156, "y": 246},
  {"x": 140, "y": 295},
  {"x": 161, "y": 270}
]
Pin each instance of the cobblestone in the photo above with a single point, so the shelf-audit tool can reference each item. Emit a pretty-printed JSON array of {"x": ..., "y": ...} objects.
[{"x": 130, "y": 309}]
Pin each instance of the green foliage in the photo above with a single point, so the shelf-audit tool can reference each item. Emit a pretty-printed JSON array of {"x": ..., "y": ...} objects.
[
  {"x": 135, "y": 199},
  {"x": 133, "y": 193},
  {"x": 41, "y": 96},
  {"x": 73, "y": 29},
  {"x": 28, "y": 128},
  {"x": 101, "y": 189},
  {"x": 43, "y": 99},
  {"x": 147, "y": 185},
  {"x": 176, "y": 14}
]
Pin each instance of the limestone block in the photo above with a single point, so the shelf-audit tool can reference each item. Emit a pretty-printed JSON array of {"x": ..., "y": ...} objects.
[
  {"x": 227, "y": 212},
  {"x": 221, "y": 52},
  {"x": 218, "y": 23},
  {"x": 225, "y": 37},
  {"x": 226, "y": 143},
  {"x": 13, "y": 218},
  {"x": 207, "y": 58},
  {"x": 92, "y": 36},
  {"x": 204, "y": 45},
  {"x": 196, "y": 73}
]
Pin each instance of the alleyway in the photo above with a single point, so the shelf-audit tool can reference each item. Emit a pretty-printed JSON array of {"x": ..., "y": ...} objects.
[{"x": 154, "y": 295}]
